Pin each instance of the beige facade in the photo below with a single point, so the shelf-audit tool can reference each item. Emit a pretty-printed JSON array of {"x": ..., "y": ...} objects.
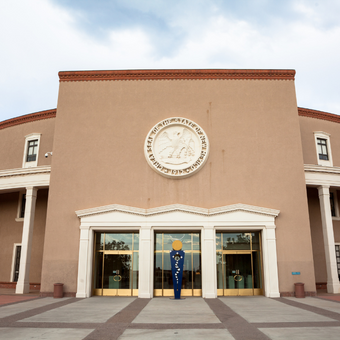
[{"x": 262, "y": 173}]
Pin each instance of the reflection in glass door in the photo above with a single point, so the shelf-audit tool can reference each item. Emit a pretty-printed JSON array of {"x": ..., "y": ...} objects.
[
  {"x": 238, "y": 264},
  {"x": 116, "y": 264},
  {"x": 191, "y": 282}
]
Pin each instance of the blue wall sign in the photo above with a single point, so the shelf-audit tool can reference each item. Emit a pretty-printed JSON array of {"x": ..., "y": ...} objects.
[{"x": 295, "y": 273}]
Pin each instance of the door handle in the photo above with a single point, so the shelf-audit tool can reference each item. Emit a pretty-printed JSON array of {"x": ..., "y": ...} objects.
[{"x": 238, "y": 278}]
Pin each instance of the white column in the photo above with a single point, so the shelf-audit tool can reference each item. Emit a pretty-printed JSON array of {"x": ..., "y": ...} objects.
[
  {"x": 23, "y": 285},
  {"x": 271, "y": 277},
  {"x": 333, "y": 285},
  {"x": 145, "y": 263},
  {"x": 209, "y": 281},
  {"x": 83, "y": 281}
]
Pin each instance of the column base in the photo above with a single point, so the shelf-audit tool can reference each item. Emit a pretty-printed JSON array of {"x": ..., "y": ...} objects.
[
  {"x": 144, "y": 296},
  {"x": 22, "y": 288},
  {"x": 333, "y": 288},
  {"x": 81, "y": 295},
  {"x": 210, "y": 296}
]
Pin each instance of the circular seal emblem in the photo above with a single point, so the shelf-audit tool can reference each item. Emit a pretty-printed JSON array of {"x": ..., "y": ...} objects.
[{"x": 176, "y": 147}]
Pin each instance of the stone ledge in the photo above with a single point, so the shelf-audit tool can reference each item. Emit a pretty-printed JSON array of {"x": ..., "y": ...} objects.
[{"x": 12, "y": 285}]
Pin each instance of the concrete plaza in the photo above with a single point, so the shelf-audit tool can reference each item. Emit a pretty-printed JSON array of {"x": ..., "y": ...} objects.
[{"x": 239, "y": 318}]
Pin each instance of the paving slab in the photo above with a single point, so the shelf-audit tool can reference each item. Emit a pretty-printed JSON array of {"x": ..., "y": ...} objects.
[
  {"x": 165, "y": 310},
  {"x": 27, "y": 305},
  {"x": 319, "y": 303},
  {"x": 302, "y": 333},
  {"x": 125, "y": 318},
  {"x": 7, "y": 333},
  {"x": 178, "y": 334},
  {"x": 95, "y": 310},
  {"x": 259, "y": 309}
]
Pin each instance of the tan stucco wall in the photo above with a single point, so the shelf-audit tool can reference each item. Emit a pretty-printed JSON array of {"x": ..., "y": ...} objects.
[
  {"x": 255, "y": 158},
  {"x": 12, "y": 141},
  {"x": 11, "y": 232},
  {"x": 310, "y": 125}
]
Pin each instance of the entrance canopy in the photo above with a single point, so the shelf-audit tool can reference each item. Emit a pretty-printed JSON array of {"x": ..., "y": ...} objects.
[{"x": 118, "y": 218}]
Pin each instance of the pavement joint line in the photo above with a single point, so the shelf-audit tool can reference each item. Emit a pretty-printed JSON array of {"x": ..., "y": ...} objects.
[
  {"x": 237, "y": 326},
  {"x": 35, "y": 311},
  {"x": 114, "y": 327},
  {"x": 52, "y": 325},
  {"x": 176, "y": 326},
  {"x": 313, "y": 309},
  {"x": 295, "y": 324}
]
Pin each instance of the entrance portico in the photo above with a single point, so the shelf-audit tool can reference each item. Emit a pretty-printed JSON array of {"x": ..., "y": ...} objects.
[
  {"x": 28, "y": 181},
  {"x": 323, "y": 178},
  {"x": 177, "y": 218}
]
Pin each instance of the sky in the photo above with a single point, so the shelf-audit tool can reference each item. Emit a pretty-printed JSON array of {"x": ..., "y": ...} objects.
[{"x": 39, "y": 38}]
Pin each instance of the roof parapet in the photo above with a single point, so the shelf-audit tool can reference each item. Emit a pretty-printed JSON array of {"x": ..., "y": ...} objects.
[
  {"x": 176, "y": 75},
  {"x": 31, "y": 117}
]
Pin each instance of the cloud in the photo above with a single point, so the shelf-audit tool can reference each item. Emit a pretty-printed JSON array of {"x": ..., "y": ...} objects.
[{"x": 45, "y": 36}]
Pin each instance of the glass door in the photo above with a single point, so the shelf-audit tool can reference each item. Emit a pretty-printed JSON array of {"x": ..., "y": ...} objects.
[
  {"x": 238, "y": 260},
  {"x": 116, "y": 264},
  {"x": 191, "y": 282},
  {"x": 238, "y": 274},
  {"x": 117, "y": 270}
]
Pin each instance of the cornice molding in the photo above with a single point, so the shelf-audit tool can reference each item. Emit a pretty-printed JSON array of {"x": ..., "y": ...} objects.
[
  {"x": 28, "y": 118},
  {"x": 318, "y": 115},
  {"x": 320, "y": 175},
  {"x": 322, "y": 168},
  {"x": 17, "y": 179},
  {"x": 177, "y": 207},
  {"x": 25, "y": 171},
  {"x": 175, "y": 75}
]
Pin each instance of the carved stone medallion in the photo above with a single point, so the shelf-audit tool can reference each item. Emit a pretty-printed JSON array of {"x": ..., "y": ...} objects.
[{"x": 176, "y": 147}]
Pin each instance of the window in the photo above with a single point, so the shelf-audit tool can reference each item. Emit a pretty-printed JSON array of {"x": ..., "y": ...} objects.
[
  {"x": 31, "y": 151},
  {"x": 21, "y": 207},
  {"x": 337, "y": 254},
  {"x": 333, "y": 197},
  {"x": 323, "y": 148},
  {"x": 15, "y": 262}
]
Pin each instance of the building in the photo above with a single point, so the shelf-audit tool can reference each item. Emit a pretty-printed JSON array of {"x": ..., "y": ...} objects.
[{"x": 93, "y": 194}]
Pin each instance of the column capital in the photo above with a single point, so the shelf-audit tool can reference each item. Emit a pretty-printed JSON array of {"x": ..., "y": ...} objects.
[
  {"x": 323, "y": 190},
  {"x": 31, "y": 191}
]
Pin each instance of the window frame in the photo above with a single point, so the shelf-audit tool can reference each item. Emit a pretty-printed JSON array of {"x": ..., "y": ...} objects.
[
  {"x": 324, "y": 136},
  {"x": 29, "y": 138}
]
